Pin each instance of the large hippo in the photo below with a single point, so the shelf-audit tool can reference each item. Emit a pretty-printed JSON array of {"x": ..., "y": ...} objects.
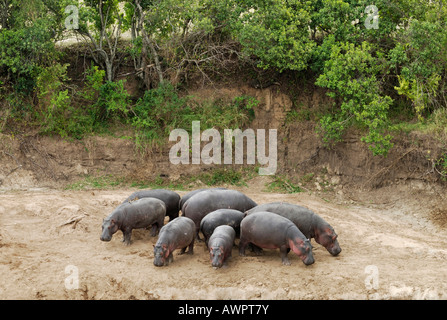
[
  {"x": 202, "y": 203},
  {"x": 170, "y": 198},
  {"x": 137, "y": 214},
  {"x": 191, "y": 193},
  {"x": 220, "y": 245},
  {"x": 177, "y": 234},
  {"x": 271, "y": 231},
  {"x": 309, "y": 223},
  {"x": 212, "y": 220}
]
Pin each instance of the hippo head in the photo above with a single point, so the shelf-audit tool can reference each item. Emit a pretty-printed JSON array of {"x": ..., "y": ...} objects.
[
  {"x": 109, "y": 227},
  {"x": 327, "y": 237},
  {"x": 303, "y": 249},
  {"x": 216, "y": 257},
  {"x": 161, "y": 254}
]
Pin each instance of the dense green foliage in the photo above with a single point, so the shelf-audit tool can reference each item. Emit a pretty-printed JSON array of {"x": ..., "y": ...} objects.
[
  {"x": 161, "y": 110},
  {"x": 372, "y": 60}
]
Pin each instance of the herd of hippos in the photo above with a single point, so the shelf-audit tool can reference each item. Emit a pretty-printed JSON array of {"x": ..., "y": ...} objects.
[{"x": 221, "y": 215}]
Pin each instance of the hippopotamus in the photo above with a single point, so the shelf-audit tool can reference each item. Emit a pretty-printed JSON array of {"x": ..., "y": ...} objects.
[
  {"x": 202, "y": 203},
  {"x": 309, "y": 223},
  {"x": 229, "y": 217},
  {"x": 220, "y": 245},
  {"x": 137, "y": 214},
  {"x": 170, "y": 198},
  {"x": 271, "y": 231},
  {"x": 178, "y": 233},
  {"x": 190, "y": 194}
]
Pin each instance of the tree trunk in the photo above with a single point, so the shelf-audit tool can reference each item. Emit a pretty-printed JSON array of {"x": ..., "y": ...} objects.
[{"x": 148, "y": 42}]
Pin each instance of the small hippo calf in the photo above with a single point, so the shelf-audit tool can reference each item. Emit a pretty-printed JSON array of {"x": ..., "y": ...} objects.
[
  {"x": 137, "y": 214},
  {"x": 220, "y": 245},
  {"x": 178, "y": 233},
  {"x": 170, "y": 198},
  {"x": 271, "y": 231},
  {"x": 212, "y": 220}
]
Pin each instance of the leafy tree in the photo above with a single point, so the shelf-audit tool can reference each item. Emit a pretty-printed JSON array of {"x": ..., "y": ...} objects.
[
  {"x": 421, "y": 57},
  {"x": 100, "y": 24},
  {"x": 26, "y": 42},
  {"x": 350, "y": 74},
  {"x": 276, "y": 32}
]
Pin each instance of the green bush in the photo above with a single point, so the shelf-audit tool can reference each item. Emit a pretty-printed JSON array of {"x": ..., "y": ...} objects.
[
  {"x": 276, "y": 33},
  {"x": 222, "y": 176},
  {"x": 158, "y": 112},
  {"x": 162, "y": 110},
  {"x": 111, "y": 105},
  {"x": 351, "y": 75}
]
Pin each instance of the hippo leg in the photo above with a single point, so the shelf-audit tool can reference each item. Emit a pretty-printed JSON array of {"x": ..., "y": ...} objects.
[
  {"x": 242, "y": 246},
  {"x": 154, "y": 230},
  {"x": 206, "y": 238},
  {"x": 197, "y": 236},
  {"x": 127, "y": 233},
  {"x": 191, "y": 247},
  {"x": 170, "y": 259},
  {"x": 257, "y": 250},
  {"x": 284, "y": 251}
]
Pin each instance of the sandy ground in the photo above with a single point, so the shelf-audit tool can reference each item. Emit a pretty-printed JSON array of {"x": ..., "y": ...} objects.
[{"x": 386, "y": 254}]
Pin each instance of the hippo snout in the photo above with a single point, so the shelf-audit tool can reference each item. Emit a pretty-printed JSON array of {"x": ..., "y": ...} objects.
[
  {"x": 217, "y": 257},
  {"x": 158, "y": 263},
  {"x": 334, "y": 249},
  {"x": 216, "y": 264},
  {"x": 308, "y": 259},
  {"x": 158, "y": 260},
  {"x": 105, "y": 238}
]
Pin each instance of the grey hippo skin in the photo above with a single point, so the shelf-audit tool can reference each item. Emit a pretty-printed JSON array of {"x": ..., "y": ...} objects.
[
  {"x": 271, "y": 231},
  {"x": 309, "y": 223},
  {"x": 170, "y": 198},
  {"x": 220, "y": 245},
  {"x": 202, "y": 203},
  {"x": 229, "y": 217},
  {"x": 190, "y": 194},
  {"x": 177, "y": 234},
  {"x": 137, "y": 214}
]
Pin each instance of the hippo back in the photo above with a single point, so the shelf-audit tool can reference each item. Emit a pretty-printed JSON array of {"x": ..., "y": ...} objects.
[
  {"x": 192, "y": 193},
  {"x": 302, "y": 217},
  {"x": 199, "y": 205}
]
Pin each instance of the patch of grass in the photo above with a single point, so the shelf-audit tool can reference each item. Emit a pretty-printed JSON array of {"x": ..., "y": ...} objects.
[
  {"x": 102, "y": 182},
  {"x": 225, "y": 176},
  {"x": 157, "y": 183},
  {"x": 441, "y": 163},
  {"x": 435, "y": 125},
  {"x": 308, "y": 177},
  {"x": 283, "y": 185}
]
